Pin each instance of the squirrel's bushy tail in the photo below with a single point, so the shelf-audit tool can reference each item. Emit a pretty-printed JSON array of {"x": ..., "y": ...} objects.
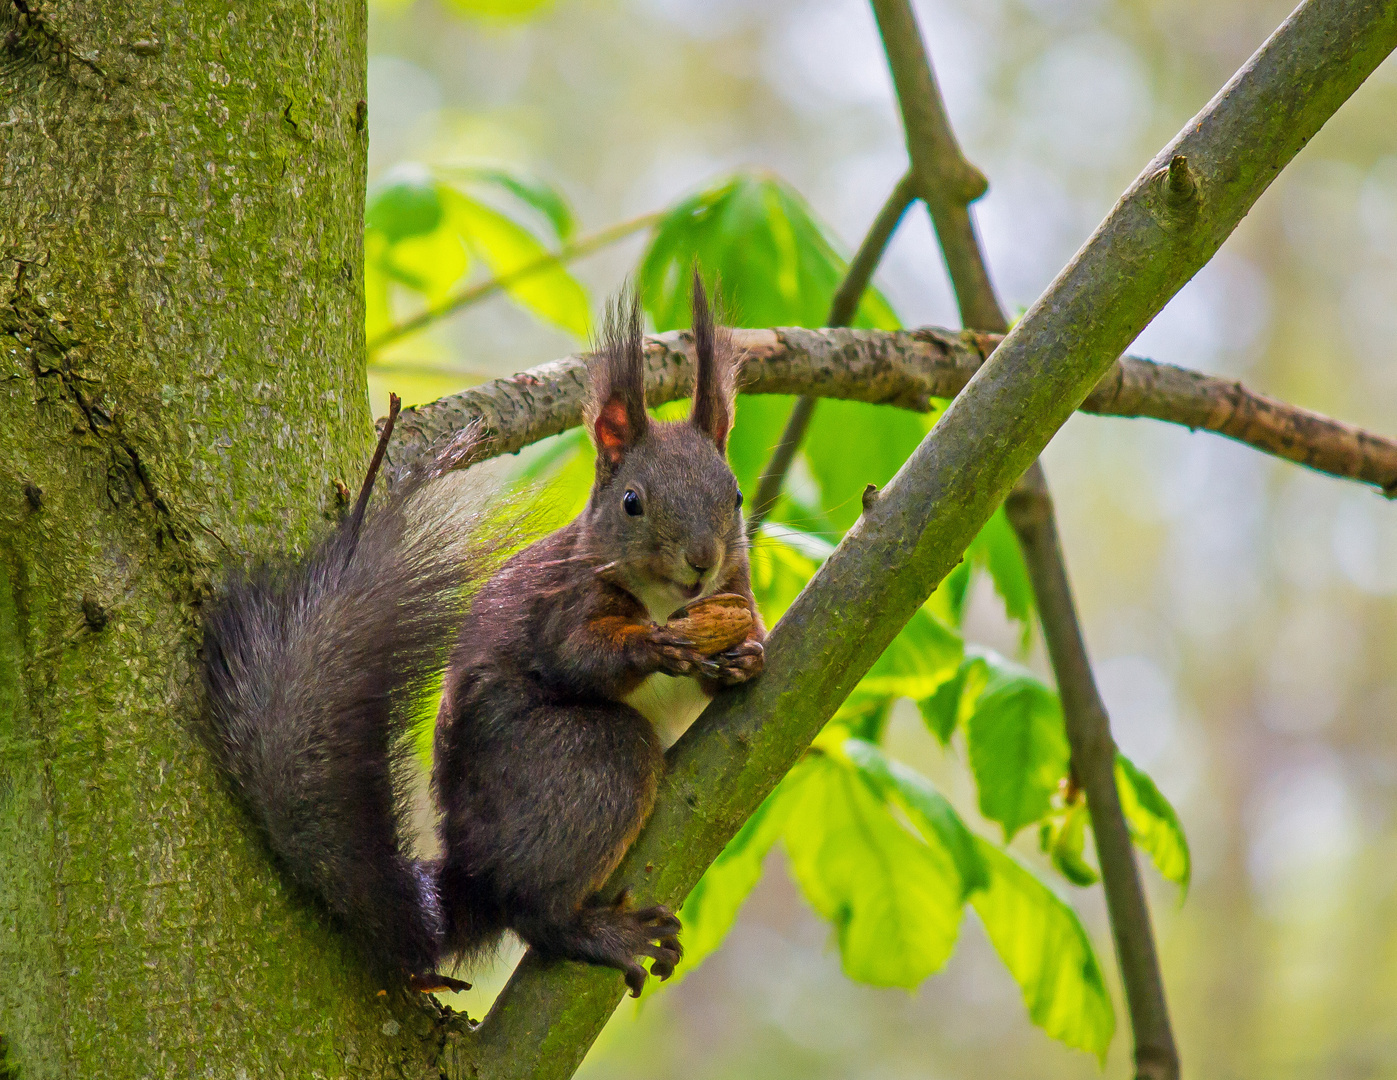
[{"x": 315, "y": 671}]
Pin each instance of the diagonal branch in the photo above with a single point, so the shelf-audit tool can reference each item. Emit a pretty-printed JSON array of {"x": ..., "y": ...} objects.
[
  {"x": 913, "y": 533},
  {"x": 1030, "y": 509},
  {"x": 908, "y": 369}
]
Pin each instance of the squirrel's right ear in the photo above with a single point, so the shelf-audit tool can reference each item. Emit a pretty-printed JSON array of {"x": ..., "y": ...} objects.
[{"x": 615, "y": 411}]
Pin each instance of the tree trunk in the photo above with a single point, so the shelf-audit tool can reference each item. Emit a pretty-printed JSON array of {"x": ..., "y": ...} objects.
[{"x": 181, "y": 384}]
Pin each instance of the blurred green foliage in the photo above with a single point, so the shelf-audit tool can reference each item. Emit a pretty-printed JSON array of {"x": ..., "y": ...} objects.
[{"x": 425, "y": 229}]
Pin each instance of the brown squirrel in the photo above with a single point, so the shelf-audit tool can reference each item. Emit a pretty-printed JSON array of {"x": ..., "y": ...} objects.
[{"x": 565, "y": 681}]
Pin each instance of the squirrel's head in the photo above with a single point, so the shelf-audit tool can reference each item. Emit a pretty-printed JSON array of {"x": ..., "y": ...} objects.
[{"x": 665, "y": 511}]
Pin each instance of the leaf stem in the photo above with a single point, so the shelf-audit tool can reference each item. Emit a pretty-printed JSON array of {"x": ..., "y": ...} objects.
[{"x": 585, "y": 245}]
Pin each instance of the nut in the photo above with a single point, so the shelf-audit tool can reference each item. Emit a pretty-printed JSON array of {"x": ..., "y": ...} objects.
[{"x": 714, "y": 623}]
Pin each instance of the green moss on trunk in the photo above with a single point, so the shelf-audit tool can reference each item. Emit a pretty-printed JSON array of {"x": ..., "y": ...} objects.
[{"x": 181, "y": 381}]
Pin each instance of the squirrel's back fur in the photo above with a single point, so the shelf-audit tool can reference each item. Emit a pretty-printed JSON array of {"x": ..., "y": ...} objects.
[{"x": 315, "y": 669}]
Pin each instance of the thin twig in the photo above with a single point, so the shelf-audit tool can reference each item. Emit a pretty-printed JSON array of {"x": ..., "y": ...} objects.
[
  {"x": 385, "y": 433},
  {"x": 1030, "y": 511},
  {"x": 475, "y": 293},
  {"x": 841, "y": 313},
  {"x": 942, "y": 169}
]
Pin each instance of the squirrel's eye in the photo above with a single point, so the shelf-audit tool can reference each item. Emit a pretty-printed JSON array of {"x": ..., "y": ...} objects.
[
  {"x": 631, "y": 501},
  {"x": 739, "y": 500}
]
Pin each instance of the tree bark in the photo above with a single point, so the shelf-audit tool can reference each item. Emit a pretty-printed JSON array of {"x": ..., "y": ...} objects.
[
  {"x": 181, "y": 381},
  {"x": 908, "y": 369}
]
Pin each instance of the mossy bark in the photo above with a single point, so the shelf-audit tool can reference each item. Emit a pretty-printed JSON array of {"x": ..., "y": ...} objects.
[{"x": 181, "y": 383}]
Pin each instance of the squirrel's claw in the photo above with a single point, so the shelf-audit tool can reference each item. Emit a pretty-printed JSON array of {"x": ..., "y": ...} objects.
[
  {"x": 738, "y": 664},
  {"x": 433, "y": 983}
]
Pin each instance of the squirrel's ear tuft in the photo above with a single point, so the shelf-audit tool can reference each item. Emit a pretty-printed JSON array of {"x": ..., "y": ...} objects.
[
  {"x": 716, "y": 382},
  {"x": 615, "y": 411}
]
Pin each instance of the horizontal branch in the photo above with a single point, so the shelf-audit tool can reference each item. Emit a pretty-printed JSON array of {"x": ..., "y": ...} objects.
[{"x": 908, "y": 369}]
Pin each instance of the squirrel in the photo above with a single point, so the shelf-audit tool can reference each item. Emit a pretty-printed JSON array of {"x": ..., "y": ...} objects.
[{"x": 564, "y": 679}]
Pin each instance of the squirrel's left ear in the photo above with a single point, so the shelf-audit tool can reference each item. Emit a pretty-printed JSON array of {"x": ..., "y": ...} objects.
[
  {"x": 716, "y": 381},
  {"x": 615, "y": 410}
]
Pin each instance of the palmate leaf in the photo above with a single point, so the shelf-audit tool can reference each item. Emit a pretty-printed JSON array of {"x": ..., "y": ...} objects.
[
  {"x": 530, "y": 190},
  {"x": 923, "y": 656},
  {"x": 502, "y": 10},
  {"x": 506, "y": 247},
  {"x": 423, "y": 233},
  {"x": 1015, "y": 733},
  {"x": 1063, "y": 838},
  {"x": 1018, "y": 748},
  {"x": 852, "y": 444},
  {"x": 895, "y": 900},
  {"x": 934, "y": 817},
  {"x": 995, "y": 551},
  {"x": 1044, "y": 946},
  {"x": 758, "y": 235},
  {"x": 1154, "y": 825},
  {"x": 783, "y": 560},
  {"x": 918, "y": 661}
]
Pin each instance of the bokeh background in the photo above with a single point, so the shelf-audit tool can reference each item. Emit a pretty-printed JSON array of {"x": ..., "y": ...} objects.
[{"x": 1242, "y": 613}]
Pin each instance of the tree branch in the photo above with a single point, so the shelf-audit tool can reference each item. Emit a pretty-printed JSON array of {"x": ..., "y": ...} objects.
[
  {"x": 914, "y": 532},
  {"x": 908, "y": 369},
  {"x": 841, "y": 313},
  {"x": 475, "y": 293},
  {"x": 1030, "y": 509}
]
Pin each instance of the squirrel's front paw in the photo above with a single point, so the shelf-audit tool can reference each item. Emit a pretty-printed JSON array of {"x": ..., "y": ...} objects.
[
  {"x": 677, "y": 655},
  {"x": 738, "y": 664}
]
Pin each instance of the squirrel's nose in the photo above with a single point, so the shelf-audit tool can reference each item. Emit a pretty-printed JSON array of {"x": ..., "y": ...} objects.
[{"x": 702, "y": 558}]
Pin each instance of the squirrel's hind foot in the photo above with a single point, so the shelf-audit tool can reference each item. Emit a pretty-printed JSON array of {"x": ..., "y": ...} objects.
[{"x": 610, "y": 934}]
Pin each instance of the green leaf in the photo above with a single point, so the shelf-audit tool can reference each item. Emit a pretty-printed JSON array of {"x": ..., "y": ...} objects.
[
  {"x": 948, "y": 601},
  {"x": 421, "y": 233},
  {"x": 501, "y": 10},
  {"x": 1063, "y": 839},
  {"x": 923, "y": 656},
  {"x": 1042, "y": 943},
  {"x": 894, "y": 900},
  {"x": 506, "y": 247},
  {"x": 760, "y": 237},
  {"x": 530, "y": 190},
  {"x": 934, "y": 817},
  {"x": 778, "y": 267},
  {"x": 1018, "y": 746},
  {"x": 406, "y": 204},
  {"x": 711, "y": 908},
  {"x": 783, "y": 560},
  {"x": 954, "y": 699},
  {"x": 852, "y": 444},
  {"x": 996, "y": 550},
  {"x": 1154, "y": 825}
]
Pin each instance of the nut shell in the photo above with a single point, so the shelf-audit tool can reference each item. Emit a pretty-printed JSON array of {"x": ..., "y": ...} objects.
[{"x": 714, "y": 623}]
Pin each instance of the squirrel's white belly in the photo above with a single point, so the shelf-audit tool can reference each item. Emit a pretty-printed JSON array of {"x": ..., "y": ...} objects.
[{"x": 670, "y": 702}]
